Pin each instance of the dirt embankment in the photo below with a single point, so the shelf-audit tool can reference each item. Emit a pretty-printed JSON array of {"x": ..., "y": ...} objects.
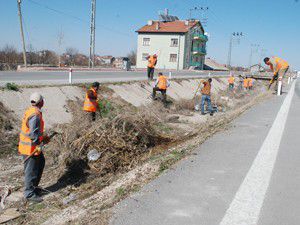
[{"x": 135, "y": 143}]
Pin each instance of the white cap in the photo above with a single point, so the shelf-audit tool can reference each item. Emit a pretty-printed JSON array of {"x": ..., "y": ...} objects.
[{"x": 36, "y": 97}]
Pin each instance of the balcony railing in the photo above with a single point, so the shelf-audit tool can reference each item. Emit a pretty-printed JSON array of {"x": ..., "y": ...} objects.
[
  {"x": 199, "y": 50},
  {"x": 200, "y": 37}
]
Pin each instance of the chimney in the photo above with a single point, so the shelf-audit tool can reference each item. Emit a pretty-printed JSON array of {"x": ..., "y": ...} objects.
[
  {"x": 150, "y": 22},
  {"x": 186, "y": 22},
  {"x": 157, "y": 25}
]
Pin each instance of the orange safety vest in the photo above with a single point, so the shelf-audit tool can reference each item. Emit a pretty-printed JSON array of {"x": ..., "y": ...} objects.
[
  {"x": 162, "y": 82},
  {"x": 246, "y": 83},
  {"x": 280, "y": 63},
  {"x": 152, "y": 61},
  {"x": 90, "y": 105},
  {"x": 26, "y": 147},
  {"x": 250, "y": 82},
  {"x": 231, "y": 80}
]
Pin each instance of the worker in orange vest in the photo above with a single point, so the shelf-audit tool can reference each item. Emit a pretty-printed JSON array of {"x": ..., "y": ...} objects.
[
  {"x": 206, "y": 91},
  {"x": 279, "y": 68},
  {"x": 161, "y": 84},
  {"x": 231, "y": 80},
  {"x": 90, "y": 104},
  {"x": 31, "y": 143},
  {"x": 152, "y": 61},
  {"x": 246, "y": 83},
  {"x": 250, "y": 83}
]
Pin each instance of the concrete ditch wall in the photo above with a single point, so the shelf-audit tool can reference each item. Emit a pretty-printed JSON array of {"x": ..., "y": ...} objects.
[
  {"x": 57, "y": 112},
  {"x": 138, "y": 94}
]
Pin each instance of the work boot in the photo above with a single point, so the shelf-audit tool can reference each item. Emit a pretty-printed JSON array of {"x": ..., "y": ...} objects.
[
  {"x": 202, "y": 113},
  {"x": 34, "y": 198},
  {"x": 211, "y": 114},
  {"x": 40, "y": 191}
]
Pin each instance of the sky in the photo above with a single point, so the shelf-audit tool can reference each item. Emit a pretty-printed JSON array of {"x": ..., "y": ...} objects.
[{"x": 274, "y": 25}]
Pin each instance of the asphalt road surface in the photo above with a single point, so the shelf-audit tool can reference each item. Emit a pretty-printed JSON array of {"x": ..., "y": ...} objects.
[
  {"x": 247, "y": 175},
  {"x": 46, "y": 78}
]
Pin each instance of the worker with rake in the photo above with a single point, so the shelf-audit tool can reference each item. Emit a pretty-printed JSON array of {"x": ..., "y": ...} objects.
[
  {"x": 152, "y": 61},
  {"x": 279, "y": 68},
  {"x": 32, "y": 140},
  {"x": 161, "y": 84}
]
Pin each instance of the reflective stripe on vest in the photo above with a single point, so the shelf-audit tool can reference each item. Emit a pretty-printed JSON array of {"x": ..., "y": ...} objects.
[
  {"x": 162, "y": 82},
  {"x": 26, "y": 147},
  {"x": 90, "y": 105}
]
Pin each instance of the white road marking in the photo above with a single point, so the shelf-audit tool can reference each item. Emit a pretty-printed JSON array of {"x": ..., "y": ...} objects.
[{"x": 246, "y": 205}]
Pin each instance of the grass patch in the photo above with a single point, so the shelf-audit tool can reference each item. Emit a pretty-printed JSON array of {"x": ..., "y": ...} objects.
[
  {"x": 37, "y": 207},
  {"x": 12, "y": 87},
  {"x": 120, "y": 192},
  {"x": 105, "y": 107}
]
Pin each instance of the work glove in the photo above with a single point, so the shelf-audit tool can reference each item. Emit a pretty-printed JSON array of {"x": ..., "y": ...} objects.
[{"x": 39, "y": 148}]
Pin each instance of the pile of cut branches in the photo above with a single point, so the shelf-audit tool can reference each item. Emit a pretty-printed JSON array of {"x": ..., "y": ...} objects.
[{"x": 123, "y": 141}]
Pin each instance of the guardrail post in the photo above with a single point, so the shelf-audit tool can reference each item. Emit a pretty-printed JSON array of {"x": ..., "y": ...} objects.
[
  {"x": 279, "y": 87},
  {"x": 70, "y": 75}
]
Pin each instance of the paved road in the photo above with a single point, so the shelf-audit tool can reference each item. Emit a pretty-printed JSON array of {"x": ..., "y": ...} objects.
[
  {"x": 248, "y": 175},
  {"x": 32, "y": 78}
]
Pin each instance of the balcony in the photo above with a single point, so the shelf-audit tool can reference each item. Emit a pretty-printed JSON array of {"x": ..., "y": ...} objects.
[
  {"x": 199, "y": 51},
  {"x": 200, "y": 37}
]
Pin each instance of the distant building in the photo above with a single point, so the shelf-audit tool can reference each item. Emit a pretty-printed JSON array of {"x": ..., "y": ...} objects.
[
  {"x": 256, "y": 69},
  {"x": 105, "y": 60},
  {"x": 211, "y": 64},
  {"x": 179, "y": 44}
]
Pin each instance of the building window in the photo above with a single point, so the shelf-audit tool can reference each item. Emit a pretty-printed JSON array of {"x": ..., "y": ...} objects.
[
  {"x": 145, "y": 56},
  {"x": 146, "y": 41},
  {"x": 173, "y": 57},
  {"x": 174, "y": 42}
]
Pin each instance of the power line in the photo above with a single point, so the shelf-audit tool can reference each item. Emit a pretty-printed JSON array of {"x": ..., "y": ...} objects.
[{"x": 77, "y": 18}]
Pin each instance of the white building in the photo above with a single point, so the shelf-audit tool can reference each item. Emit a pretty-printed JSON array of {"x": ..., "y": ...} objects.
[{"x": 179, "y": 44}]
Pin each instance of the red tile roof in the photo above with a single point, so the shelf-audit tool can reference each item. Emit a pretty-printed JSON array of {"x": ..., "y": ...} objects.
[{"x": 177, "y": 26}]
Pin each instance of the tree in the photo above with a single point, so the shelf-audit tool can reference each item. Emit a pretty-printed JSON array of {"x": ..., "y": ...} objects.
[
  {"x": 70, "y": 55},
  {"x": 132, "y": 57}
]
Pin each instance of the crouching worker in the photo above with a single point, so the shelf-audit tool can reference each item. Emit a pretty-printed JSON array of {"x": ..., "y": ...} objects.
[
  {"x": 31, "y": 145},
  {"x": 91, "y": 101},
  {"x": 205, "y": 91},
  {"x": 161, "y": 84}
]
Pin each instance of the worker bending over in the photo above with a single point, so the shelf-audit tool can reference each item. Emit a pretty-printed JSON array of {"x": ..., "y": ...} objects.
[
  {"x": 31, "y": 143},
  {"x": 161, "y": 84},
  {"x": 205, "y": 91},
  {"x": 152, "y": 61},
  {"x": 91, "y": 101},
  {"x": 279, "y": 68},
  {"x": 231, "y": 82}
]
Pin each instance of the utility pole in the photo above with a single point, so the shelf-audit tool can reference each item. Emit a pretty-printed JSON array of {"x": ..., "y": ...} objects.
[
  {"x": 92, "y": 35},
  {"x": 236, "y": 35},
  {"x": 254, "y": 48},
  {"x": 22, "y": 33}
]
